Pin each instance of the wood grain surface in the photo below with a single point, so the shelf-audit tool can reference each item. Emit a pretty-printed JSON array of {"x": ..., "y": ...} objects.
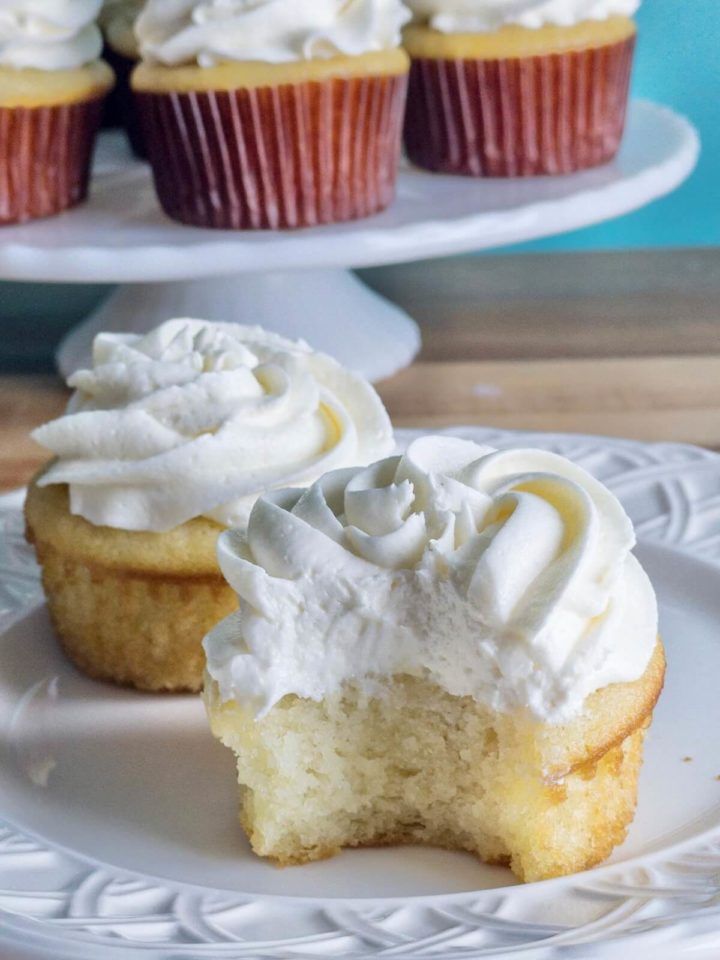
[{"x": 626, "y": 345}]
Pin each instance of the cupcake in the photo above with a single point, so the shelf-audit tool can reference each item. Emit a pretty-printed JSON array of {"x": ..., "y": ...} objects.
[
  {"x": 455, "y": 647},
  {"x": 512, "y": 88},
  {"x": 117, "y": 20},
  {"x": 271, "y": 114},
  {"x": 167, "y": 440},
  {"x": 52, "y": 87}
]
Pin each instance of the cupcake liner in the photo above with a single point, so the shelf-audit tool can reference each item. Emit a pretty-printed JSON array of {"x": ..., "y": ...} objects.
[
  {"x": 289, "y": 156},
  {"x": 518, "y": 117},
  {"x": 45, "y": 155},
  {"x": 120, "y": 107}
]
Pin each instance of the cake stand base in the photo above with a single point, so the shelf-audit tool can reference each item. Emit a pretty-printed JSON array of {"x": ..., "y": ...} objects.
[{"x": 331, "y": 309}]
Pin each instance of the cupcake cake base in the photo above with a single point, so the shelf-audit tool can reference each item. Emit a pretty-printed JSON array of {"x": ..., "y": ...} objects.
[
  {"x": 415, "y": 765},
  {"x": 131, "y": 608}
]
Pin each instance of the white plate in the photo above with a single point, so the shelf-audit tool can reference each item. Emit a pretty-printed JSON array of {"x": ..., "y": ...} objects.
[
  {"x": 120, "y": 832},
  {"x": 122, "y": 235}
]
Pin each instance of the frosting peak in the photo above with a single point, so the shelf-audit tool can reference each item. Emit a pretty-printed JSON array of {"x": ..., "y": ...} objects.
[
  {"x": 49, "y": 34},
  {"x": 197, "y": 419},
  {"x": 207, "y": 32},
  {"x": 502, "y": 575},
  {"x": 458, "y": 16}
]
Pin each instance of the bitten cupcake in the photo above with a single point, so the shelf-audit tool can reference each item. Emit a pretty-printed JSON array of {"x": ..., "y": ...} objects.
[
  {"x": 169, "y": 438},
  {"x": 510, "y": 88},
  {"x": 117, "y": 20},
  {"x": 52, "y": 86},
  {"x": 272, "y": 114},
  {"x": 454, "y": 647}
]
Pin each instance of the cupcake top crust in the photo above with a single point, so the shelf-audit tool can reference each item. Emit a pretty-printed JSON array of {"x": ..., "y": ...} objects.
[
  {"x": 506, "y": 576},
  {"x": 469, "y": 16},
  {"x": 209, "y": 32},
  {"x": 49, "y": 34},
  {"x": 197, "y": 419}
]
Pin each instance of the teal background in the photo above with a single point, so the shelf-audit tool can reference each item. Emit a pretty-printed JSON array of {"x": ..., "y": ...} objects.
[{"x": 678, "y": 64}]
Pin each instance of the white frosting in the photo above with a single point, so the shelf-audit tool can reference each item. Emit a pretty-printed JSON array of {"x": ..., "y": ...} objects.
[
  {"x": 49, "y": 34},
  {"x": 458, "y": 16},
  {"x": 505, "y": 576},
  {"x": 197, "y": 419},
  {"x": 207, "y": 32}
]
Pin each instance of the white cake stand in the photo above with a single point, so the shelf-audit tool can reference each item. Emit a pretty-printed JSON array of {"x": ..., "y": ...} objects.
[{"x": 298, "y": 283}]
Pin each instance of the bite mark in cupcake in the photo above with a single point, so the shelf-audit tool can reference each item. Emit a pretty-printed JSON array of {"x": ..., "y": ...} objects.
[{"x": 454, "y": 647}]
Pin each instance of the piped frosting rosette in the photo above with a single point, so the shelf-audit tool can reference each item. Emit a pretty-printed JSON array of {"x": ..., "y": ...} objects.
[
  {"x": 208, "y": 32},
  {"x": 49, "y": 34},
  {"x": 506, "y": 576},
  {"x": 197, "y": 419}
]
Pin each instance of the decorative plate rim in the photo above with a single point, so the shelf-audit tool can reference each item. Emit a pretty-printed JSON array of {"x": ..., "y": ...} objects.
[{"x": 669, "y": 897}]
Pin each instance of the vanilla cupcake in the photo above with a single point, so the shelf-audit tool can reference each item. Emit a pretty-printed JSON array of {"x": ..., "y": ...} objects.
[
  {"x": 117, "y": 21},
  {"x": 168, "y": 439},
  {"x": 52, "y": 87},
  {"x": 507, "y": 88},
  {"x": 274, "y": 114},
  {"x": 454, "y": 647}
]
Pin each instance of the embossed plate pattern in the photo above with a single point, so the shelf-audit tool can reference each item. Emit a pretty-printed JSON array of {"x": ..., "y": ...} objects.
[{"x": 77, "y": 881}]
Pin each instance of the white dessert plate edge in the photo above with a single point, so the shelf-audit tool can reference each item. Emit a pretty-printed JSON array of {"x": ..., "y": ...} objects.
[{"x": 57, "y": 902}]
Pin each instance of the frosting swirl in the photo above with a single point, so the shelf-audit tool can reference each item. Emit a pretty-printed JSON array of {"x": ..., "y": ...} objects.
[
  {"x": 458, "y": 16},
  {"x": 207, "y": 32},
  {"x": 49, "y": 34},
  {"x": 197, "y": 419},
  {"x": 505, "y": 576}
]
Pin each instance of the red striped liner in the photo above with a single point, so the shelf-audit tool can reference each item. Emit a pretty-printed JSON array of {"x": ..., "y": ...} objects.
[
  {"x": 289, "y": 156},
  {"x": 45, "y": 155},
  {"x": 518, "y": 117}
]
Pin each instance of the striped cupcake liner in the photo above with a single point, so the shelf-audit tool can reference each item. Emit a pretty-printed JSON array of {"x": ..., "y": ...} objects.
[
  {"x": 45, "y": 156},
  {"x": 280, "y": 157},
  {"x": 518, "y": 117}
]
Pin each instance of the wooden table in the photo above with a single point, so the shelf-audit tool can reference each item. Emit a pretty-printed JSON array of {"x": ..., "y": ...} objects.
[{"x": 621, "y": 344}]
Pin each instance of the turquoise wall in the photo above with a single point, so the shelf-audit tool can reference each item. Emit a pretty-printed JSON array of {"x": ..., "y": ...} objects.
[{"x": 677, "y": 63}]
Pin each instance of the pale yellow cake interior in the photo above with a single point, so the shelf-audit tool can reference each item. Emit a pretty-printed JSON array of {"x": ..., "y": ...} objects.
[{"x": 415, "y": 764}]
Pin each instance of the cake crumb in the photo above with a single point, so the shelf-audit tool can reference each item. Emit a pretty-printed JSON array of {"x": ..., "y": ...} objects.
[{"x": 687, "y": 759}]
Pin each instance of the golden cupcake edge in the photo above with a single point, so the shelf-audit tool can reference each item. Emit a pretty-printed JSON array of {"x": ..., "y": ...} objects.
[{"x": 129, "y": 607}]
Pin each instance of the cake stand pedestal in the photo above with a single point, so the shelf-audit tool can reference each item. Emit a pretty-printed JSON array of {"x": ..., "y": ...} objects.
[
  {"x": 332, "y": 309},
  {"x": 299, "y": 283}
]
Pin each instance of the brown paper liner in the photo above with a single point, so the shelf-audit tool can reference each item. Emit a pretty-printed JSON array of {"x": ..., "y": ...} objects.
[
  {"x": 119, "y": 106},
  {"x": 290, "y": 156},
  {"x": 45, "y": 155},
  {"x": 518, "y": 117}
]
